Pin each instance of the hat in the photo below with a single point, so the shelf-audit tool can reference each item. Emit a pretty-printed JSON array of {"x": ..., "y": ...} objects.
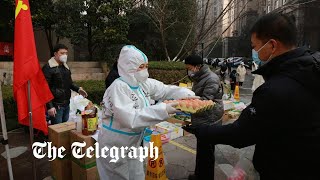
[
  {"x": 193, "y": 60},
  {"x": 242, "y": 63}
]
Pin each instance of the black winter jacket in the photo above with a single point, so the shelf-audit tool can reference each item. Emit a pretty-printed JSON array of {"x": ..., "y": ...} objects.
[
  {"x": 283, "y": 119},
  {"x": 207, "y": 85},
  {"x": 113, "y": 75},
  {"x": 60, "y": 83}
]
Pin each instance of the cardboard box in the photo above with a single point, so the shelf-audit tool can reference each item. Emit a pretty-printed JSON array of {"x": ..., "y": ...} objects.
[
  {"x": 61, "y": 169},
  {"x": 173, "y": 130},
  {"x": 84, "y": 173},
  {"x": 179, "y": 123},
  {"x": 79, "y": 137},
  {"x": 228, "y": 105},
  {"x": 59, "y": 135}
]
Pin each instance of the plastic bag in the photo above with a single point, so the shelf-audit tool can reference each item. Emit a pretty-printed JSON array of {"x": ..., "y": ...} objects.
[{"x": 78, "y": 103}]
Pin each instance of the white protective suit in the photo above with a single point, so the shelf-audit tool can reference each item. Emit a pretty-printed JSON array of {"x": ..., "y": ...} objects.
[{"x": 128, "y": 112}]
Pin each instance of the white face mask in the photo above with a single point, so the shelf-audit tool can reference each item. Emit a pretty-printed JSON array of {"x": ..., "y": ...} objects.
[
  {"x": 142, "y": 75},
  {"x": 191, "y": 73},
  {"x": 63, "y": 58}
]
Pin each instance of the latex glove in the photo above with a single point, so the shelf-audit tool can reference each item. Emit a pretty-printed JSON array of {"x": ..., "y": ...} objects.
[
  {"x": 52, "y": 112},
  {"x": 82, "y": 92},
  {"x": 171, "y": 108},
  {"x": 191, "y": 97}
]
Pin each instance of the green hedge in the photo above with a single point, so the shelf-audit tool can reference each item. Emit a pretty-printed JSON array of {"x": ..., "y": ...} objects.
[
  {"x": 165, "y": 65},
  {"x": 169, "y": 76},
  {"x": 10, "y": 108},
  {"x": 95, "y": 89}
]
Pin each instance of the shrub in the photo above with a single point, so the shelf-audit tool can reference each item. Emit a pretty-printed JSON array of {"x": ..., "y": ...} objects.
[
  {"x": 95, "y": 89},
  {"x": 165, "y": 65},
  {"x": 169, "y": 76},
  {"x": 10, "y": 107}
]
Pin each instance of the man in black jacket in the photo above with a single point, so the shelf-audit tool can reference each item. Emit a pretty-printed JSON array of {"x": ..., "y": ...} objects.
[
  {"x": 58, "y": 76},
  {"x": 283, "y": 119}
]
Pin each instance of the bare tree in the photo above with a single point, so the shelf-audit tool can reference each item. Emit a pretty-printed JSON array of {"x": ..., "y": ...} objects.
[
  {"x": 238, "y": 16},
  {"x": 162, "y": 16},
  {"x": 205, "y": 27}
]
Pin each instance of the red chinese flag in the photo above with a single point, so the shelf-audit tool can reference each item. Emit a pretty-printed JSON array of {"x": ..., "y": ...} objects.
[{"x": 26, "y": 68}]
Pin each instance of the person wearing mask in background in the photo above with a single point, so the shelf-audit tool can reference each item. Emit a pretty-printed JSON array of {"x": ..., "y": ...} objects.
[
  {"x": 283, "y": 117},
  {"x": 207, "y": 86},
  {"x": 229, "y": 65},
  {"x": 128, "y": 112},
  {"x": 113, "y": 75},
  {"x": 233, "y": 79},
  {"x": 222, "y": 74},
  {"x": 58, "y": 76},
  {"x": 241, "y": 71}
]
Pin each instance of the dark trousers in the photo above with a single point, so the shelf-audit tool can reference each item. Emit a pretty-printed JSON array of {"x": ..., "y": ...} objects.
[
  {"x": 233, "y": 85},
  {"x": 205, "y": 161},
  {"x": 62, "y": 114}
]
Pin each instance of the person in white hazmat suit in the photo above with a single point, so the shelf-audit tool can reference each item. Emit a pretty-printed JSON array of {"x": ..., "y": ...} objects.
[{"x": 128, "y": 112}]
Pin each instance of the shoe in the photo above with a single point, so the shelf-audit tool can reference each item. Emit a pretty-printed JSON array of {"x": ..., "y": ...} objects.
[{"x": 192, "y": 177}]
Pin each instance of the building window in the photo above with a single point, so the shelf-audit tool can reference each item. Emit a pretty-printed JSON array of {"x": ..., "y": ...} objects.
[
  {"x": 277, "y": 4},
  {"x": 268, "y": 9}
]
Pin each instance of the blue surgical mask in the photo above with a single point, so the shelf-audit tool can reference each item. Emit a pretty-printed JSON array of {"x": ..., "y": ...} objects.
[{"x": 255, "y": 55}]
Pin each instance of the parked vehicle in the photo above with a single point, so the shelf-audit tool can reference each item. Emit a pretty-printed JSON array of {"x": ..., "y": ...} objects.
[
  {"x": 235, "y": 61},
  {"x": 206, "y": 60}
]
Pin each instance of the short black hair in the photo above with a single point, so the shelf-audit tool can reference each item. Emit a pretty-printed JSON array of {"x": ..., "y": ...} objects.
[
  {"x": 57, "y": 47},
  {"x": 276, "y": 26}
]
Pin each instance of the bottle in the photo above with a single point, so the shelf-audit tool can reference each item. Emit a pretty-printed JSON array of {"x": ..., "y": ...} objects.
[
  {"x": 89, "y": 121},
  {"x": 78, "y": 121}
]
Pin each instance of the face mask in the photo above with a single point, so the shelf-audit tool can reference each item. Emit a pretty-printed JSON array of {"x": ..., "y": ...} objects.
[
  {"x": 142, "y": 75},
  {"x": 255, "y": 55},
  {"x": 63, "y": 58},
  {"x": 190, "y": 73}
]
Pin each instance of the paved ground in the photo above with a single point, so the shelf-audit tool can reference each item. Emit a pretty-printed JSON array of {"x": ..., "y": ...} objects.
[{"x": 179, "y": 155}]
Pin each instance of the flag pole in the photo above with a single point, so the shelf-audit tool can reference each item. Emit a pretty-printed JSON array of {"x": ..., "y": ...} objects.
[
  {"x": 34, "y": 167},
  {"x": 5, "y": 135}
]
